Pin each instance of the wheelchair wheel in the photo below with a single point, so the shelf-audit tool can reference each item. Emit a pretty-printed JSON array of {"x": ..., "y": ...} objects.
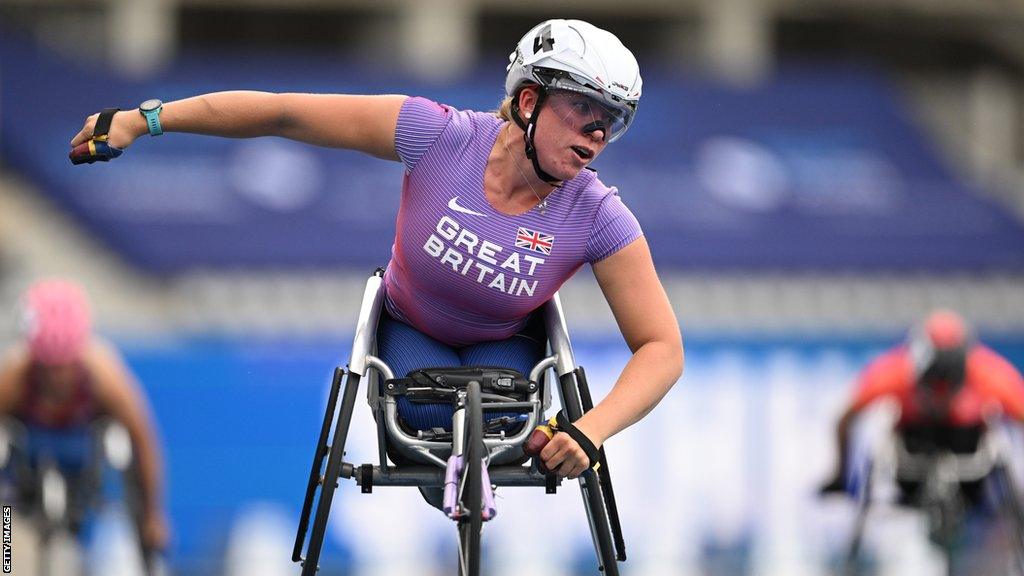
[
  {"x": 944, "y": 518},
  {"x": 1013, "y": 510},
  {"x": 852, "y": 561},
  {"x": 471, "y": 489}
]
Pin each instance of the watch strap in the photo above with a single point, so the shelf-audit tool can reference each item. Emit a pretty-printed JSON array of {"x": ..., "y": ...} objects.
[{"x": 153, "y": 121}]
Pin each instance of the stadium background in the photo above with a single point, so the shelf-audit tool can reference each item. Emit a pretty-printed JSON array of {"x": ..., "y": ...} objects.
[{"x": 812, "y": 176}]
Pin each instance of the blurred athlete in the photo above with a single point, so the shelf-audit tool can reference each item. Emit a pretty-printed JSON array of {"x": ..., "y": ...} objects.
[
  {"x": 946, "y": 383},
  {"x": 497, "y": 211},
  {"x": 61, "y": 379}
]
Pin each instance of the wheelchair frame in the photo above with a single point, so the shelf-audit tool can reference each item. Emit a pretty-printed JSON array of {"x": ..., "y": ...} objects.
[
  {"x": 595, "y": 486},
  {"x": 64, "y": 508},
  {"x": 940, "y": 474}
]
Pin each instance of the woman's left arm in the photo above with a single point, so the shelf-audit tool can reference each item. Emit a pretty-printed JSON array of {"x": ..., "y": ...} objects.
[{"x": 647, "y": 322}]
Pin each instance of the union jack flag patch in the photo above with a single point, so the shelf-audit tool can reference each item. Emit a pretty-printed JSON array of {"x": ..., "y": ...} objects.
[{"x": 536, "y": 241}]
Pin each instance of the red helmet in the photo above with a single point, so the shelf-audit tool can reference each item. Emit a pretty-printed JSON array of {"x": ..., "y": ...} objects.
[
  {"x": 56, "y": 321},
  {"x": 939, "y": 347}
]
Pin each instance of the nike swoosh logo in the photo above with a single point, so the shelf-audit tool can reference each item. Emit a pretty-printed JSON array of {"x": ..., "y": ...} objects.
[{"x": 454, "y": 205}]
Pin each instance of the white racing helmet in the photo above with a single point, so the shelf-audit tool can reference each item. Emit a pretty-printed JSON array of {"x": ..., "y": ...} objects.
[{"x": 580, "y": 57}]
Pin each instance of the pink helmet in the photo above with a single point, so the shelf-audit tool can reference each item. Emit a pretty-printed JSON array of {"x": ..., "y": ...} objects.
[{"x": 56, "y": 321}]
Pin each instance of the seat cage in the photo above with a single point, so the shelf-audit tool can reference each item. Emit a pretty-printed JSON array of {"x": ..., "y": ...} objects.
[
  {"x": 367, "y": 365},
  {"x": 954, "y": 467}
]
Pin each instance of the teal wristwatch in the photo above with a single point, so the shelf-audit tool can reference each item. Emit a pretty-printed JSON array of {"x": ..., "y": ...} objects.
[{"x": 150, "y": 110}]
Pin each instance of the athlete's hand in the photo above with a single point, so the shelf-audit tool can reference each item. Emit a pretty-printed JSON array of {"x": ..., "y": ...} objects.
[
  {"x": 562, "y": 454},
  {"x": 155, "y": 531},
  {"x": 837, "y": 485},
  {"x": 125, "y": 127}
]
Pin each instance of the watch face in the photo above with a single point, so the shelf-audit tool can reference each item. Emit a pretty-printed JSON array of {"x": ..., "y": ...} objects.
[{"x": 150, "y": 105}]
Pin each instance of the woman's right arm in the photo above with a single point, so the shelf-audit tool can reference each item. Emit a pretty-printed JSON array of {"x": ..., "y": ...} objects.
[
  {"x": 363, "y": 123},
  {"x": 121, "y": 396}
]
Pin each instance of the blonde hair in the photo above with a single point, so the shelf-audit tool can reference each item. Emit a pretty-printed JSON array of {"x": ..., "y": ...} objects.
[{"x": 504, "y": 110}]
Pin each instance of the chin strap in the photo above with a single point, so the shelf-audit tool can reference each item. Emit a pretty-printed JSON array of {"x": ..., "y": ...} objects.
[{"x": 529, "y": 129}]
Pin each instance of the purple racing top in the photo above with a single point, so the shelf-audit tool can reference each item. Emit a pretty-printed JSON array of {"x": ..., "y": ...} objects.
[{"x": 461, "y": 271}]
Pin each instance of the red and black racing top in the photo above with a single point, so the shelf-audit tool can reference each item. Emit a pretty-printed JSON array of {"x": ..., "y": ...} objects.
[
  {"x": 64, "y": 401},
  {"x": 990, "y": 380}
]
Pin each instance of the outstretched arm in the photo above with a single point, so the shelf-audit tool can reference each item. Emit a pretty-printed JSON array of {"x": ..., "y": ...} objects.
[
  {"x": 889, "y": 375},
  {"x": 363, "y": 123},
  {"x": 837, "y": 482},
  {"x": 13, "y": 368},
  {"x": 645, "y": 317},
  {"x": 121, "y": 397}
]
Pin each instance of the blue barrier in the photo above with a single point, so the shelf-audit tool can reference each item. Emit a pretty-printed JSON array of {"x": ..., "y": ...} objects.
[{"x": 749, "y": 425}]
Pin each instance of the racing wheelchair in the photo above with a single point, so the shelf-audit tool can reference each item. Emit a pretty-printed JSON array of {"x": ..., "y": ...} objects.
[
  {"x": 56, "y": 479},
  {"x": 944, "y": 472},
  {"x": 465, "y": 462}
]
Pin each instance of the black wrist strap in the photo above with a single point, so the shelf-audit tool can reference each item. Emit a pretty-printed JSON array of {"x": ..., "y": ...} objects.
[
  {"x": 564, "y": 425},
  {"x": 102, "y": 128}
]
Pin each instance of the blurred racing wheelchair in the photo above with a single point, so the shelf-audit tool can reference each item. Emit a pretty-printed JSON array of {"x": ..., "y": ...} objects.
[
  {"x": 944, "y": 472},
  {"x": 57, "y": 478},
  {"x": 494, "y": 411}
]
